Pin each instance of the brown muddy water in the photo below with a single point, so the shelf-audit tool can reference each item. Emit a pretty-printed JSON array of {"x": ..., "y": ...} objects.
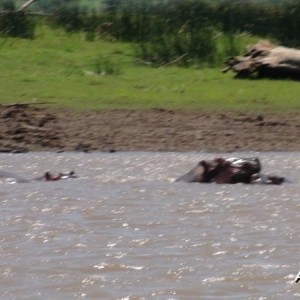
[{"x": 125, "y": 230}]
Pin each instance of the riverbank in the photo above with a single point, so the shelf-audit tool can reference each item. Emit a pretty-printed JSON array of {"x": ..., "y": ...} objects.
[{"x": 25, "y": 128}]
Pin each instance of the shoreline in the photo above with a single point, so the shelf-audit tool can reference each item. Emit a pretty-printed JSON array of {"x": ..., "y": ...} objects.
[{"x": 28, "y": 128}]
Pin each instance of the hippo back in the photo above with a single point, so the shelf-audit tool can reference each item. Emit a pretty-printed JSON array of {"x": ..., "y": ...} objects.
[
  {"x": 250, "y": 164},
  {"x": 219, "y": 170},
  {"x": 243, "y": 169}
]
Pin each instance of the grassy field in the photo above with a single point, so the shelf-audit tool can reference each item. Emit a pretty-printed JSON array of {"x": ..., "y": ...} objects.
[{"x": 70, "y": 72}]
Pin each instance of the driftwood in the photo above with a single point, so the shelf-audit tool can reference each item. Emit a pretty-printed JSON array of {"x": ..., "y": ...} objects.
[{"x": 265, "y": 59}]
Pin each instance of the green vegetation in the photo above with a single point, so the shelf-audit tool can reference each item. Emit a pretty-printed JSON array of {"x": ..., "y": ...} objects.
[
  {"x": 164, "y": 30},
  {"x": 143, "y": 54},
  {"x": 65, "y": 69}
]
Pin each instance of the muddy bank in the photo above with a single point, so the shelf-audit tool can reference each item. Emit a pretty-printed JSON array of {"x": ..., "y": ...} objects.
[{"x": 26, "y": 128}]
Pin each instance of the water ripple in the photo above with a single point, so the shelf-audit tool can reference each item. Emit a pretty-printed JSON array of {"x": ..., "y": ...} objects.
[{"x": 125, "y": 230}]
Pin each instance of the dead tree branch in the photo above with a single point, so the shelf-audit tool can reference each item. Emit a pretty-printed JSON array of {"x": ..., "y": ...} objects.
[
  {"x": 266, "y": 60},
  {"x": 26, "y": 5}
]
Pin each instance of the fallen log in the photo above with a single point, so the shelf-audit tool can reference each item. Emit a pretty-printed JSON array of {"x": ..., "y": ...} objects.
[{"x": 265, "y": 59}]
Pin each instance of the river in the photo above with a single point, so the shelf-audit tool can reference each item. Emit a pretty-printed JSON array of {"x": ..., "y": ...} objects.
[{"x": 125, "y": 230}]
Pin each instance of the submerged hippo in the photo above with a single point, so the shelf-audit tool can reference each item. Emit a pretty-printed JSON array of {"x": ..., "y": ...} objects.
[
  {"x": 230, "y": 170},
  {"x": 45, "y": 177}
]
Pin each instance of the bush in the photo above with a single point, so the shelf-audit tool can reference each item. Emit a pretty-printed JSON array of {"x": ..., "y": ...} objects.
[
  {"x": 203, "y": 47},
  {"x": 16, "y": 24}
]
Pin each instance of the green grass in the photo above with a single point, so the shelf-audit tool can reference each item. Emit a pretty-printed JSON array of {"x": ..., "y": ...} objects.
[{"x": 62, "y": 69}]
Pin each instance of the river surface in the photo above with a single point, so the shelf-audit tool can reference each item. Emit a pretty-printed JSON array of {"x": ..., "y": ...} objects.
[{"x": 125, "y": 230}]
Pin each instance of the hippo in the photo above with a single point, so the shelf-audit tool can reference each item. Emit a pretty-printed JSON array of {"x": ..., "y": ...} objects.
[
  {"x": 45, "y": 177},
  {"x": 230, "y": 170}
]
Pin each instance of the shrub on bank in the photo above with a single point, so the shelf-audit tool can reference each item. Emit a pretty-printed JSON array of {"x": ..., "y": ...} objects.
[{"x": 163, "y": 31}]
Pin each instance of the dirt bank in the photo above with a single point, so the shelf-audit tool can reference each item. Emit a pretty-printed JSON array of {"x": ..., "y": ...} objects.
[{"x": 27, "y": 128}]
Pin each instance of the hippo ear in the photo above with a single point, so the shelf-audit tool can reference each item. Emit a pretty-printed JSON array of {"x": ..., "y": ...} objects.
[
  {"x": 205, "y": 165},
  {"x": 258, "y": 164},
  {"x": 202, "y": 163}
]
